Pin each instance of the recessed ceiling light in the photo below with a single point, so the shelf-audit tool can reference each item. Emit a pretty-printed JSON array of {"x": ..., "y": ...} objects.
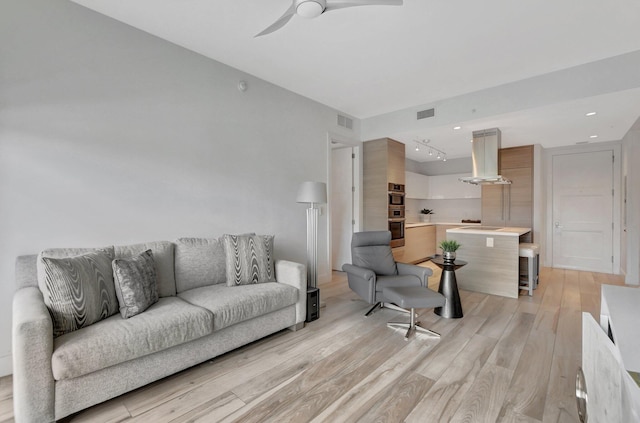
[
  {"x": 591, "y": 114},
  {"x": 455, "y": 128},
  {"x": 593, "y": 136}
]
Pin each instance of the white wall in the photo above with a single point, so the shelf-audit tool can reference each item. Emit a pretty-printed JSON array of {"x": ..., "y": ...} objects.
[
  {"x": 111, "y": 136},
  {"x": 631, "y": 237}
]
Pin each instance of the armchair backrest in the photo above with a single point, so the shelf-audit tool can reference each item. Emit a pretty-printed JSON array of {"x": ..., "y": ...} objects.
[{"x": 372, "y": 250}]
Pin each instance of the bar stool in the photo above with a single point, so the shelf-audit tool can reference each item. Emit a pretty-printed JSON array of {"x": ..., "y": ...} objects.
[{"x": 531, "y": 252}]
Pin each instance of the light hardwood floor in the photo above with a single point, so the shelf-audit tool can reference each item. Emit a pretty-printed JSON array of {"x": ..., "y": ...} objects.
[{"x": 507, "y": 360}]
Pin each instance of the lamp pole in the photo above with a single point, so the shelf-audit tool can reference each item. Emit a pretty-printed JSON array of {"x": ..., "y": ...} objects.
[{"x": 313, "y": 193}]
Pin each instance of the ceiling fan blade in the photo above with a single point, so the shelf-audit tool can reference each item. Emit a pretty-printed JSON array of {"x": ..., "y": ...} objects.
[
  {"x": 343, "y": 4},
  {"x": 286, "y": 17}
]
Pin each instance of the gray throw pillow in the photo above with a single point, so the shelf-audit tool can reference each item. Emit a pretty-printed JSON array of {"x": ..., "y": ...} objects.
[
  {"x": 136, "y": 283},
  {"x": 249, "y": 259},
  {"x": 79, "y": 290}
]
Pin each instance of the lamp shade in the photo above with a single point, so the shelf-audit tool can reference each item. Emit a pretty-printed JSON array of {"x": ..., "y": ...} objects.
[{"x": 312, "y": 192}]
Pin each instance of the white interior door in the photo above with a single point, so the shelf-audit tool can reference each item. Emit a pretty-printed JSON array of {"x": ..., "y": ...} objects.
[
  {"x": 342, "y": 206},
  {"x": 583, "y": 211}
]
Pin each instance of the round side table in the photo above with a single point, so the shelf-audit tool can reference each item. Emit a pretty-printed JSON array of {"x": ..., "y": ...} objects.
[{"x": 452, "y": 309}]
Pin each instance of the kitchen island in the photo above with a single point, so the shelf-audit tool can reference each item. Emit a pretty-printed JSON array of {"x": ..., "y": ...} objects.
[{"x": 492, "y": 257}]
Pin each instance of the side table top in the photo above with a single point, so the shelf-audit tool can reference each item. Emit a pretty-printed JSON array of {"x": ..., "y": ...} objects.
[{"x": 439, "y": 261}]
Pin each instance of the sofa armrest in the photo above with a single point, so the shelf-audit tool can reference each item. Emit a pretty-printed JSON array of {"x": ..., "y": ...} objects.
[
  {"x": 294, "y": 274},
  {"x": 411, "y": 269},
  {"x": 33, "y": 384}
]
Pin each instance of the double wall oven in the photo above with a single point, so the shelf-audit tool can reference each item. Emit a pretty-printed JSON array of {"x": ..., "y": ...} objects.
[{"x": 396, "y": 214}]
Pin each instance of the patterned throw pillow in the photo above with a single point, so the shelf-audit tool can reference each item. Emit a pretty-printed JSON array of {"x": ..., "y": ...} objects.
[
  {"x": 79, "y": 290},
  {"x": 249, "y": 259},
  {"x": 136, "y": 283}
]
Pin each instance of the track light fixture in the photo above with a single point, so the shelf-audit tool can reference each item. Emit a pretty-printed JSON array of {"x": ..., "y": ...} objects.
[{"x": 441, "y": 155}]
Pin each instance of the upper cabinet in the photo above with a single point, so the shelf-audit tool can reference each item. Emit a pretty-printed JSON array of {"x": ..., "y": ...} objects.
[
  {"x": 417, "y": 185},
  {"x": 383, "y": 163},
  {"x": 511, "y": 205},
  {"x": 439, "y": 187},
  {"x": 450, "y": 187}
]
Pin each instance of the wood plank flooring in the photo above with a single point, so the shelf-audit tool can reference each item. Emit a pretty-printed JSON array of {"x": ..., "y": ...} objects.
[{"x": 506, "y": 360}]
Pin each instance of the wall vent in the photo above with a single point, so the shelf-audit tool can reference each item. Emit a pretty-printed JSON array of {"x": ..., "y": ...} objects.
[
  {"x": 345, "y": 122},
  {"x": 423, "y": 114}
]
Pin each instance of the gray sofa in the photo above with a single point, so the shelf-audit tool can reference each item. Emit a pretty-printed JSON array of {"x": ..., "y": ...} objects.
[{"x": 196, "y": 318}]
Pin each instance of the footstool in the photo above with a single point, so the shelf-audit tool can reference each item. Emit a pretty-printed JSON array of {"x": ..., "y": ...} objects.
[{"x": 413, "y": 297}]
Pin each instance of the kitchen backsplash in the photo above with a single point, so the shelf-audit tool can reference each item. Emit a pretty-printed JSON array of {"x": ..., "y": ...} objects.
[{"x": 450, "y": 211}]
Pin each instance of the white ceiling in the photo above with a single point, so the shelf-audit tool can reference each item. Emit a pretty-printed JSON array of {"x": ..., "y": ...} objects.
[{"x": 374, "y": 60}]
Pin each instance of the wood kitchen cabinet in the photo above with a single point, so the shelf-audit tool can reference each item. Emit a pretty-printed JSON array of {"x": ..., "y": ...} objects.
[
  {"x": 511, "y": 205},
  {"x": 419, "y": 244},
  {"x": 441, "y": 234},
  {"x": 383, "y": 163}
]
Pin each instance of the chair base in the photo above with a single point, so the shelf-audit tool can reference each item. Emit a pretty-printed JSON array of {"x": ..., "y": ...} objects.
[
  {"x": 412, "y": 327},
  {"x": 385, "y": 305}
]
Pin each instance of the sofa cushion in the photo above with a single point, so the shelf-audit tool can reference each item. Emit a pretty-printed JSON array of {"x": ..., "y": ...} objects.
[
  {"x": 249, "y": 259},
  {"x": 231, "y": 305},
  {"x": 169, "y": 322},
  {"x": 135, "y": 282},
  {"x": 199, "y": 262},
  {"x": 163, "y": 258},
  {"x": 63, "y": 253},
  {"x": 79, "y": 290}
]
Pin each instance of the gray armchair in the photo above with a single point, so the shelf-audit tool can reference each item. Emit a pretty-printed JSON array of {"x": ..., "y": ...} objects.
[{"x": 374, "y": 268}]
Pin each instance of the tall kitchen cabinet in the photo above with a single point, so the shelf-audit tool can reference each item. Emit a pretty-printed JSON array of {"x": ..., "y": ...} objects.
[
  {"x": 511, "y": 205},
  {"x": 383, "y": 163}
]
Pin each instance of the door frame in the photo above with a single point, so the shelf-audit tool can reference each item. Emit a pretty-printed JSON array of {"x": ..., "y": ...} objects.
[
  {"x": 347, "y": 142},
  {"x": 615, "y": 147}
]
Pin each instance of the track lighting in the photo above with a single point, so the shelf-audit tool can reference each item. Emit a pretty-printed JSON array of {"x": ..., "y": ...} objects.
[{"x": 441, "y": 155}]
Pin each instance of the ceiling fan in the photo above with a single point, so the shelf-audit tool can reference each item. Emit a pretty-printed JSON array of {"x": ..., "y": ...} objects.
[{"x": 314, "y": 8}]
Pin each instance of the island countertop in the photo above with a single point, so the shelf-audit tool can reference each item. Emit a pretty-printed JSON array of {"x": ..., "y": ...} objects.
[{"x": 489, "y": 230}]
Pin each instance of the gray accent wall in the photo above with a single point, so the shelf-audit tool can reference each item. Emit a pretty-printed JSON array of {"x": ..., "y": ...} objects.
[{"x": 109, "y": 135}]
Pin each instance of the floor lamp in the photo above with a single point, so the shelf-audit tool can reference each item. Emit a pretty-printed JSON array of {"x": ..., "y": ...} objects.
[{"x": 312, "y": 193}]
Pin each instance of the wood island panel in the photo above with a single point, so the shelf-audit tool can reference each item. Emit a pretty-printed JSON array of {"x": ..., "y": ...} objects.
[{"x": 491, "y": 270}]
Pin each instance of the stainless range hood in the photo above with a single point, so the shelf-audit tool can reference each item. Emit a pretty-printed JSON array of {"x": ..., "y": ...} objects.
[{"x": 484, "y": 154}]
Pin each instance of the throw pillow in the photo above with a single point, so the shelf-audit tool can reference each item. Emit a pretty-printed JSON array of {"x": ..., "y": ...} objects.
[
  {"x": 136, "y": 283},
  {"x": 79, "y": 290},
  {"x": 249, "y": 259}
]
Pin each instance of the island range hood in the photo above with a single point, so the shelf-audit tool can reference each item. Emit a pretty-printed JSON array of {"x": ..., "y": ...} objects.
[{"x": 484, "y": 155}]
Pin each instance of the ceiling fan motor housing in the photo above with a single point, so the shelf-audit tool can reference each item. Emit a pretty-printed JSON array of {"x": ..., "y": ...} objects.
[{"x": 310, "y": 8}]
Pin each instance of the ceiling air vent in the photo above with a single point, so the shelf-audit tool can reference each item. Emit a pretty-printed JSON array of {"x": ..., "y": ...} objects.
[
  {"x": 345, "y": 122},
  {"x": 426, "y": 113}
]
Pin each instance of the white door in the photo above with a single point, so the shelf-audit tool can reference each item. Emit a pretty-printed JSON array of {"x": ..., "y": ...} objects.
[
  {"x": 583, "y": 211},
  {"x": 342, "y": 206}
]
